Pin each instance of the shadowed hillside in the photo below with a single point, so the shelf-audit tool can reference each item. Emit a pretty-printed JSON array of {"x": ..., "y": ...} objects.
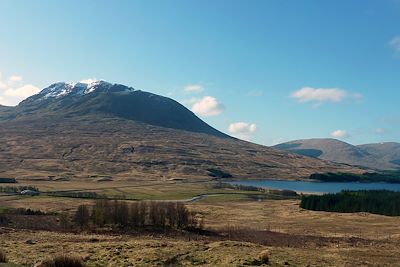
[{"x": 71, "y": 100}]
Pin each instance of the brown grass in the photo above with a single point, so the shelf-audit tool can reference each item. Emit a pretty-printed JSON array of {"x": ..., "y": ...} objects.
[
  {"x": 157, "y": 250},
  {"x": 63, "y": 261},
  {"x": 3, "y": 257},
  {"x": 86, "y": 147},
  {"x": 290, "y": 234},
  {"x": 264, "y": 257}
]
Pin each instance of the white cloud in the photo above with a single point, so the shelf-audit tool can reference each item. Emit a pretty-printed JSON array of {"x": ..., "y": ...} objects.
[
  {"x": 24, "y": 91},
  {"x": 395, "y": 44},
  {"x": 242, "y": 127},
  {"x": 190, "y": 101},
  {"x": 3, "y": 85},
  {"x": 13, "y": 90},
  {"x": 380, "y": 131},
  {"x": 310, "y": 94},
  {"x": 193, "y": 88},
  {"x": 14, "y": 78},
  {"x": 242, "y": 130},
  {"x": 88, "y": 81},
  {"x": 207, "y": 106},
  {"x": 340, "y": 134}
]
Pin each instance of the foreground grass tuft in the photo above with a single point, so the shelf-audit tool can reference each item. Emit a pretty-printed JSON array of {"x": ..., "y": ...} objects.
[
  {"x": 63, "y": 261},
  {"x": 3, "y": 257},
  {"x": 264, "y": 257}
]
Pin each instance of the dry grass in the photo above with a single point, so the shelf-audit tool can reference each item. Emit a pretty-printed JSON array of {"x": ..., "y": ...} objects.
[
  {"x": 62, "y": 261},
  {"x": 3, "y": 256},
  {"x": 87, "y": 146},
  {"x": 103, "y": 250},
  {"x": 285, "y": 216},
  {"x": 264, "y": 257},
  {"x": 334, "y": 239}
]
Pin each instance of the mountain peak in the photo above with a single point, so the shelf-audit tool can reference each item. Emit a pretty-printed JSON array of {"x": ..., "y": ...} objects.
[
  {"x": 61, "y": 89},
  {"x": 103, "y": 99}
]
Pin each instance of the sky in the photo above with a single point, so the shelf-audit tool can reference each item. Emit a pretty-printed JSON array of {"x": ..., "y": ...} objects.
[{"x": 266, "y": 71}]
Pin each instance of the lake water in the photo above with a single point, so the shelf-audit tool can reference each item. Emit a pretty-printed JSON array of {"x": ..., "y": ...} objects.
[{"x": 318, "y": 187}]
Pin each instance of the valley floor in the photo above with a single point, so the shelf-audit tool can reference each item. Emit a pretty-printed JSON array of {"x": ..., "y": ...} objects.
[
  {"x": 293, "y": 237},
  {"x": 104, "y": 250}
]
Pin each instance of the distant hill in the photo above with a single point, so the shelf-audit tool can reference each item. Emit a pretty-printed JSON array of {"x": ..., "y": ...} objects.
[
  {"x": 389, "y": 152},
  {"x": 385, "y": 156},
  {"x": 89, "y": 130}
]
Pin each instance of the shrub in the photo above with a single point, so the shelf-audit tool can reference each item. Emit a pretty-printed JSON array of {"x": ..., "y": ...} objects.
[
  {"x": 3, "y": 257},
  {"x": 63, "y": 261},
  {"x": 82, "y": 216},
  {"x": 3, "y": 219},
  {"x": 216, "y": 173},
  {"x": 264, "y": 257},
  {"x": 137, "y": 214},
  {"x": 101, "y": 212},
  {"x": 8, "y": 180}
]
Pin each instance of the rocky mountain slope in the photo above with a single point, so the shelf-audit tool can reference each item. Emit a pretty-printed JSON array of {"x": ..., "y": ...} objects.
[
  {"x": 89, "y": 130},
  {"x": 384, "y": 156}
]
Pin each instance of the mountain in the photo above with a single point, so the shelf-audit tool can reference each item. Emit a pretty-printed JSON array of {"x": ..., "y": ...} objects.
[
  {"x": 375, "y": 156},
  {"x": 101, "y": 129},
  {"x": 74, "y": 99},
  {"x": 389, "y": 152}
]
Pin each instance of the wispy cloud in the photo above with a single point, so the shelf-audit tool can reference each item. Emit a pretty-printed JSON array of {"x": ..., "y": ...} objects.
[
  {"x": 380, "y": 131},
  {"x": 310, "y": 94},
  {"x": 340, "y": 134},
  {"x": 193, "y": 88},
  {"x": 242, "y": 130},
  {"x": 13, "y": 90},
  {"x": 323, "y": 95},
  {"x": 207, "y": 106},
  {"x": 395, "y": 44},
  {"x": 14, "y": 78}
]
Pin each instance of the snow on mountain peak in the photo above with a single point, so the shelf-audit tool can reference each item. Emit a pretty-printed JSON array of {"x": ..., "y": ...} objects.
[{"x": 62, "y": 89}]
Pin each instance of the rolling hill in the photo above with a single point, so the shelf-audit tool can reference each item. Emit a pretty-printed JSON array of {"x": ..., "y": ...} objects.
[
  {"x": 90, "y": 130},
  {"x": 383, "y": 156},
  {"x": 389, "y": 152}
]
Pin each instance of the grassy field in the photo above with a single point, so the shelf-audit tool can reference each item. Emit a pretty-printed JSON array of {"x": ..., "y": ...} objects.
[
  {"x": 101, "y": 250},
  {"x": 293, "y": 236}
]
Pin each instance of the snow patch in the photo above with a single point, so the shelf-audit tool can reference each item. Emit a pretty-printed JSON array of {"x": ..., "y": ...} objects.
[{"x": 62, "y": 89}]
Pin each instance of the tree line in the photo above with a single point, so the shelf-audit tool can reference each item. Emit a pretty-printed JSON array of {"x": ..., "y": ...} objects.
[
  {"x": 89, "y": 195},
  {"x": 368, "y": 177},
  {"x": 17, "y": 189},
  {"x": 382, "y": 202},
  {"x": 136, "y": 214}
]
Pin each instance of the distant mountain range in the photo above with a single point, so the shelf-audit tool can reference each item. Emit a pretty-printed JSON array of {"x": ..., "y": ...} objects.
[
  {"x": 104, "y": 129},
  {"x": 381, "y": 156}
]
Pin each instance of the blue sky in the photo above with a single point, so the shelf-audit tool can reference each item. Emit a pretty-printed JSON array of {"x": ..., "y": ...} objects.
[{"x": 266, "y": 71}]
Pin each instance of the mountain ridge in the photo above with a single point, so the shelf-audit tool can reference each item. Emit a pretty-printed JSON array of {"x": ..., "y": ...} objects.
[
  {"x": 376, "y": 156},
  {"x": 71, "y": 99}
]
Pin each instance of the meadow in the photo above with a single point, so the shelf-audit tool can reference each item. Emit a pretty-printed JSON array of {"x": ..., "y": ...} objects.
[{"x": 239, "y": 228}]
